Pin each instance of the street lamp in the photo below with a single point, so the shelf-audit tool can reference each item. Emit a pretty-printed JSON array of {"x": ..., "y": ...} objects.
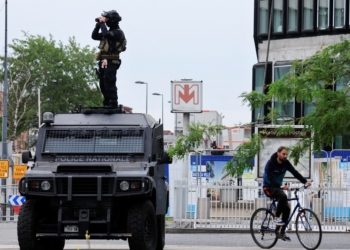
[
  {"x": 140, "y": 82},
  {"x": 162, "y": 106}
]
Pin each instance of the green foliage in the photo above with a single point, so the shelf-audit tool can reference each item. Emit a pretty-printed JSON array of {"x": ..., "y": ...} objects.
[
  {"x": 63, "y": 73},
  {"x": 189, "y": 143},
  {"x": 243, "y": 158},
  {"x": 311, "y": 81}
]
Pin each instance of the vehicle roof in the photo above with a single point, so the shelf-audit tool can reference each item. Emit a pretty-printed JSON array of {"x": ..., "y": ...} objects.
[{"x": 121, "y": 119}]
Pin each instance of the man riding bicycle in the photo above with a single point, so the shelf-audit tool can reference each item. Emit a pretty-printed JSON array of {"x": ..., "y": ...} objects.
[{"x": 274, "y": 173}]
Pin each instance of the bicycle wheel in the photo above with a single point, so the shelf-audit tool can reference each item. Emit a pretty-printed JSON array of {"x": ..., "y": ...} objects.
[
  {"x": 308, "y": 229},
  {"x": 262, "y": 228}
]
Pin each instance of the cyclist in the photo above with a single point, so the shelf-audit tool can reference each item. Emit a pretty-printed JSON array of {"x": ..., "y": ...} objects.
[{"x": 274, "y": 173}]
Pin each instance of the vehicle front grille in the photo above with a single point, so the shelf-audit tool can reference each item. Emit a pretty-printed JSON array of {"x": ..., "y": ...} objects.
[{"x": 85, "y": 185}]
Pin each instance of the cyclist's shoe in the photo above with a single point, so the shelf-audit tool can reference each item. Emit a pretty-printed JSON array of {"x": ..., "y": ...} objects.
[
  {"x": 278, "y": 222},
  {"x": 286, "y": 237}
]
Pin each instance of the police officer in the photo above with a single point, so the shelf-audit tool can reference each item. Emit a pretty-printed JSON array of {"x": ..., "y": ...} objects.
[{"x": 112, "y": 42}]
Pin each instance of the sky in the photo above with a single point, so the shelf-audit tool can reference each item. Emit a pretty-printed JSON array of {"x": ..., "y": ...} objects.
[{"x": 168, "y": 40}]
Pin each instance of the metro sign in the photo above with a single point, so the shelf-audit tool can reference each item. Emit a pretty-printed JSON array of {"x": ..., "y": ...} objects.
[{"x": 186, "y": 96}]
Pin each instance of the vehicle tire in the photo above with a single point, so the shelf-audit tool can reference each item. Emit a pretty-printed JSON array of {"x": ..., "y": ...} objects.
[
  {"x": 26, "y": 226},
  {"x": 262, "y": 228},
  {"x": 161, "y": 232},
  {"x": 142, "y": 224},
  {"x": 308, "y": 229}
]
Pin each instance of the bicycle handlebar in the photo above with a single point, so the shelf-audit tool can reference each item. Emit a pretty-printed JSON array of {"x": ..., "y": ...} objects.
[{"x": 298, "y": 189}]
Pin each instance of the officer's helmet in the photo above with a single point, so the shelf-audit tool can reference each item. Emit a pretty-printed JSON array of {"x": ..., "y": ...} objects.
[{"x": 112, "y": 15}]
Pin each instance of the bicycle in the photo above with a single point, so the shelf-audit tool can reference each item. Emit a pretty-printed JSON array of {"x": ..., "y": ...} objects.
[{"x": 307, "y": 225}]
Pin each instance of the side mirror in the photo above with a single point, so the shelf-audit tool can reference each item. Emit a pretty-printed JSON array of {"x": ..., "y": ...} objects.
[
  {"x": 26, "y": 156},
  {"x": 165, "y": 159}
]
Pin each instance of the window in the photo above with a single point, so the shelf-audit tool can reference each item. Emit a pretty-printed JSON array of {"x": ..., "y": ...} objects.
[
  {"x": 342, "y": 141},
  {"x": 258, "y": 114},
  {"x": 263, "y": 17},
  {"x": 285, "y": 110},
  {"x": 308, "y": 108},
  {"x": 278, "y": 16},
  {"x": 339, "y": 14},
  {"x": 94, "y": 141},
  {"x": 323, "y": 14},
  {"x": 293, "y": 16},
  {"x": 259, "y": 87},
  {"x": 308, "y": 15}
]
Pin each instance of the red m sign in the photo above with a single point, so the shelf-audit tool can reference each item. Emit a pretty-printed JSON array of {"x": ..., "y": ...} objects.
[{"x": 186, "y": 93}]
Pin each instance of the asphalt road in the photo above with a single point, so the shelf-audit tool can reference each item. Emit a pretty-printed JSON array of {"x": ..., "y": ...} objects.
[{"x": 186, "y": 241}]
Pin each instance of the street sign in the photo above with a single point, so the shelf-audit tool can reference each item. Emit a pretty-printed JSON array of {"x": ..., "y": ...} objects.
[
  {"x": 201, "y": 174},
  {"x": 16, "y": 200},
  {"x": 186, "y": 96},
  {"x": 4, "y": 168},
  {"x": 19, "y": 171}
]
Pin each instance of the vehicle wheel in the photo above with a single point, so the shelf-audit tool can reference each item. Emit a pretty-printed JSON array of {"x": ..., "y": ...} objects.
[
  {"x": 161, "y": 232},
  {"x": 26, "y": 226},
  {"x": 142, "y": 224},
  {"x": 308, "y": 229},
  {"x": 262, "y": 228}
]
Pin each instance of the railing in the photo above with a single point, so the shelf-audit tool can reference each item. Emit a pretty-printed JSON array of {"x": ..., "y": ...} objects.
[
  {"x": 221, "y": 205},
  {"x": 8, "y": 212}
]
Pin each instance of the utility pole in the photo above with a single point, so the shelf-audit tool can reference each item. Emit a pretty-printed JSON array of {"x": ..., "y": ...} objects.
[{"x": 4, "y": 115}]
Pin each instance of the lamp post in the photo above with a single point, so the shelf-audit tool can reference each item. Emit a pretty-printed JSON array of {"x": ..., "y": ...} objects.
[
  {"x": 140, "y": 82},
  {"x": 162, "y": 106},
  {"x": 39, "y": 104}
]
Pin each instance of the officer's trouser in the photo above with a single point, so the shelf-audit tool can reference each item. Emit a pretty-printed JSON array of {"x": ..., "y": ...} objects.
[{"x": 108, "y": 80}]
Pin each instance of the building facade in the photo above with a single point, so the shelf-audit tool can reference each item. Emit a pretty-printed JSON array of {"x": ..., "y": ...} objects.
[{"x": 299, "y": 28}]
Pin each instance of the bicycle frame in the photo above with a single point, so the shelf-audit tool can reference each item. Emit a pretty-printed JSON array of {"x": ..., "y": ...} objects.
[{"x": 274, "y": 206}]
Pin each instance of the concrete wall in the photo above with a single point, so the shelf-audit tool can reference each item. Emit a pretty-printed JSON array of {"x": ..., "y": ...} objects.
[{"x": 297, "y": 48}]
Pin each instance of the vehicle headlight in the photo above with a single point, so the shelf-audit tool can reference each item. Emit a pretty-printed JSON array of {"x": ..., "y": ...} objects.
[
  {"x": 38, "y": 186},
  {"x": 124, "y": 185},
  {"x": 45, "y": 185}
]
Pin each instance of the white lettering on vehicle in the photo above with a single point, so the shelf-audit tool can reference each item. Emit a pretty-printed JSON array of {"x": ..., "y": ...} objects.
[{"x": 89, "y": 158}]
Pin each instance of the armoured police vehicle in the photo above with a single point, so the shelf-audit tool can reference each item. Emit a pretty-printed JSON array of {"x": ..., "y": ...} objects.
[{"x": 96, "y": 174}]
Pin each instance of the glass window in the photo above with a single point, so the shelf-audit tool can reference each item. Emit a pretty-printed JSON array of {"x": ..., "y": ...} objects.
[
  {"x": 343, "y": 84},
  {"x": 259, "y": 87},
  {"x": 339, "y": 13},
  {"x": 278, "y": 16},
  {"x": 323, "y": 14},
  {"x": 342, "y": 141},
  {"x": 308, "y": 15},
  {"x": 308, "y": 108},
  {"x": 263, "y": 16},
  {"x": 285, "y": 110},
  {"x": 293, "y": 15}
]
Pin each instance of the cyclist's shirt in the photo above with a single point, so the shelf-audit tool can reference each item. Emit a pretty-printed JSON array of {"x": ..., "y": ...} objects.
[{"x": 275, "y": 172}]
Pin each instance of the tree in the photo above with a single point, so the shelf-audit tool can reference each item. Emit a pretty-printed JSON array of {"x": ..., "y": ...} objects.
[
  {"x": 312, "y": 82},
  {"x": 197, "y": 132},
  {"x": 63, "y": 73}
]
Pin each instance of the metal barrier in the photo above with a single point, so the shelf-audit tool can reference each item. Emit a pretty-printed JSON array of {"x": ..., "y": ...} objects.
[
  {"x": 8, "y": 211},
  {"x": 218, "y": 205}
]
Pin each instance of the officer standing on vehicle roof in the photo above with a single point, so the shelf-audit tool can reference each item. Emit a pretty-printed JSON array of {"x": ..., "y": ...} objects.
[{"x": 112, "y": 42}]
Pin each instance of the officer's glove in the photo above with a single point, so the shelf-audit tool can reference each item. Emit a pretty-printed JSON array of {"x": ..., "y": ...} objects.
[{"x": 104, "y": 63}]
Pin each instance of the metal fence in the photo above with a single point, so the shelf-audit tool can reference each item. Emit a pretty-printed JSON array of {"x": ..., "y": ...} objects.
[
  {"x": 8, "y": 212},
  {"x": 221, "y": 205}
]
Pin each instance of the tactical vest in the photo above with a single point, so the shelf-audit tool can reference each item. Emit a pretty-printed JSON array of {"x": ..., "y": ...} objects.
[{"x": 110, "y": 49}]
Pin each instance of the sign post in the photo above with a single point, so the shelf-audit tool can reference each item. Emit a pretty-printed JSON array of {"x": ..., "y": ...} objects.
[{"x": 186, "y": 98}]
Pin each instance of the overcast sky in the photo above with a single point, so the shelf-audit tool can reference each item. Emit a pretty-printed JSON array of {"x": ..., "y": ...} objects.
[{"x": 203, "y": 40}]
